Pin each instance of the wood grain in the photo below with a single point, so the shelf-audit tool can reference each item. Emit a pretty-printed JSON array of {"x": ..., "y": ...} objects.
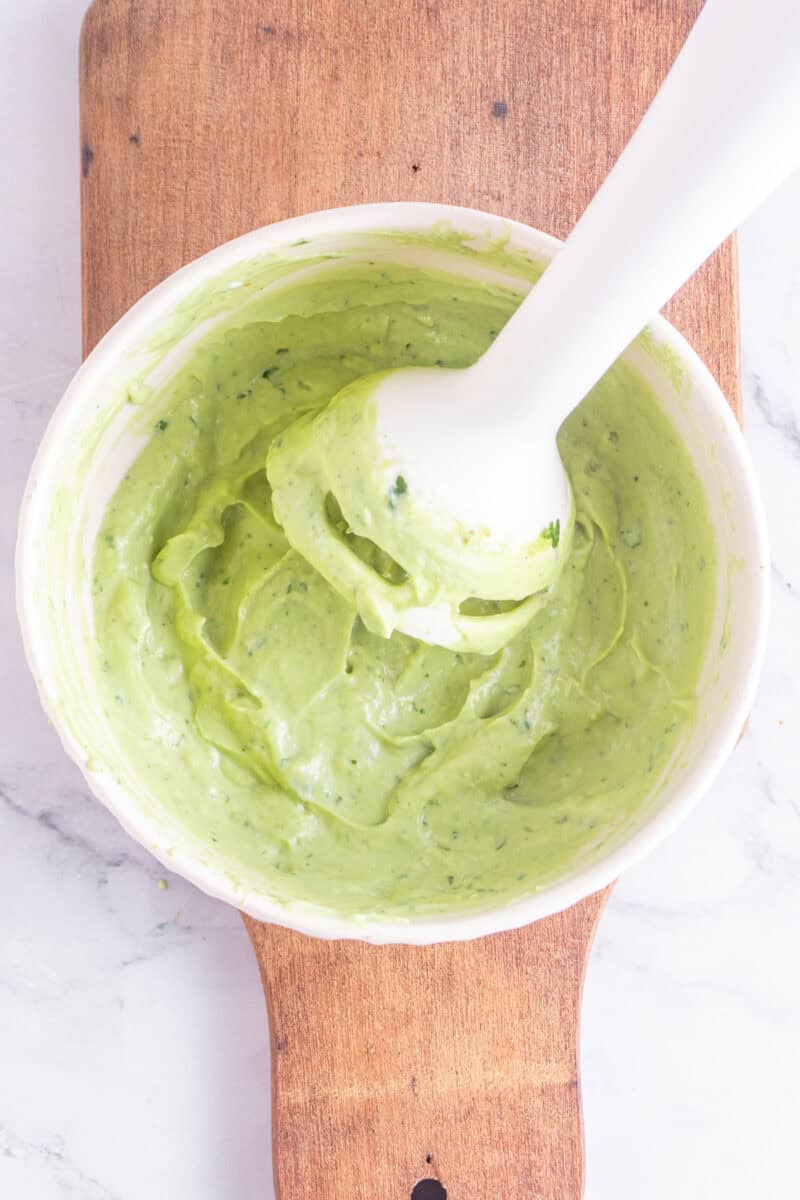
[
  {"x": 201, "y": 119},
  {"x": 456, "y": 1062}
]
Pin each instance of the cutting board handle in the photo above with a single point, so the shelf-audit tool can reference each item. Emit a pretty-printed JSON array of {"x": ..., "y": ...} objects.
[{"x": 398, "y": 1075}]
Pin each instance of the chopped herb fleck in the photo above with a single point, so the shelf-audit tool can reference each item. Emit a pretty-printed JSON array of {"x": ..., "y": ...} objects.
[
  {"x": 553, "y": 533},
  {"x": 398, "y": 489}
]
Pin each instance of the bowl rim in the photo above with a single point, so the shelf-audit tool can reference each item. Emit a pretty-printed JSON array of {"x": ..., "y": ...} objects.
[{"x": 405, "y": 216}]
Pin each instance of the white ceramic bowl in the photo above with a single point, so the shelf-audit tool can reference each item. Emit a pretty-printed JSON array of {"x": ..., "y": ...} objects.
[{"x": 95, "y": 433}]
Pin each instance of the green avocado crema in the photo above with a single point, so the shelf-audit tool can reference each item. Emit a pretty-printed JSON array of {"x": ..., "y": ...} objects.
[
  {"x": 377, "y": 775},
  {"x": 403, "y": 565}
]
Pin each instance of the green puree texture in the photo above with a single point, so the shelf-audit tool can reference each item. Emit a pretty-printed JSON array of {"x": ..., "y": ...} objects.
[{"x": 388, "y": 776}]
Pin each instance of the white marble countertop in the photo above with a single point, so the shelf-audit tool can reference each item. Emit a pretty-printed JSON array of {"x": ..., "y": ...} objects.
[{"x": 133, "y": 1039}]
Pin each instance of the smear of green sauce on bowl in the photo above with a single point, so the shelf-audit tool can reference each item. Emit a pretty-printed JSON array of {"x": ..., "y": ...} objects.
[{"x": 373, "y": 775}]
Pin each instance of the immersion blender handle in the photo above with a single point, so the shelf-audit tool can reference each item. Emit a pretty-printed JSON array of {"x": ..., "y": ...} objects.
[{"x": 722, "y": 133}]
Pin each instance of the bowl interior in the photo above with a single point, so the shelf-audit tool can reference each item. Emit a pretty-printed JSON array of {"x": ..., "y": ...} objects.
[{"x": 108, "y": 414}]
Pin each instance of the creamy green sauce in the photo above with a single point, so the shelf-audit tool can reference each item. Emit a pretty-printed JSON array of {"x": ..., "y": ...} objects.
[
  {"x": 377, "y": 775},
  {"x": 402, "y": 565}
]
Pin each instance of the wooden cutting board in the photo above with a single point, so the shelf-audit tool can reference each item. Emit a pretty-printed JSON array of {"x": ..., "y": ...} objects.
[{"x": 201, "y": 119}]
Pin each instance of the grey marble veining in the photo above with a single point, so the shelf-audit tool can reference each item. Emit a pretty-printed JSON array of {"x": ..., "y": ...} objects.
[{"x": 133, "y": 1042}]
